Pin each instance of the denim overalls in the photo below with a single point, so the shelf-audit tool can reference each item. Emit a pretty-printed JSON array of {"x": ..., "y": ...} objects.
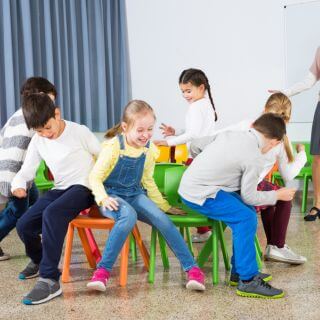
[{"x": 124, "y": 184}]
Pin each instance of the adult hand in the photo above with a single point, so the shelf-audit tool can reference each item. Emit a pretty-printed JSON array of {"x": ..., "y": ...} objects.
[
  {"x": 160, "y": 142},
  {"x": 167, "y": 130},
  {"x": 176, "y": 211},
  {"x": 300, "y": 147},
  {"x": 19, "y": 193},
  {"x": 110, "y": 203},
  {"x": 285, "y": 194}
]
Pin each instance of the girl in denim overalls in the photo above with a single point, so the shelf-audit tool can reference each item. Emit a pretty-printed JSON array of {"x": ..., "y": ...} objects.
[{"x": 123, "y": 185}]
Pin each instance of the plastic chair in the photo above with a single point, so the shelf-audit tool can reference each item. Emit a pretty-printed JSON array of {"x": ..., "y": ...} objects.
[
  {"x": 181, "y": 153},
  {"x": 92, "y": 221},
  {"x": 41, "y": 180},
  {"x": 164, "y": 154},
  {"x": 305, "y": 174},
  {"x": 192, "y": 219}
]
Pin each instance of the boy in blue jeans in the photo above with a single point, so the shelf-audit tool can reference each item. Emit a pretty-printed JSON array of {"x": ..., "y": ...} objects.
[
  {"x": 231, "y": 163},
  {"x": 69, "y": 150},
  {"x": 14, "y": 140}
]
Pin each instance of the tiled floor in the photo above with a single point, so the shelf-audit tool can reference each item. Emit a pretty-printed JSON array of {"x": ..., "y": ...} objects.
[{"x": 167, "y": 298}]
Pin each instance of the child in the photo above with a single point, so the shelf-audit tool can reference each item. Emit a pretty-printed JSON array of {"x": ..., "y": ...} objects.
[
  {"x": 68, "y": 149},
  {"x": 123, "y": 185},
  {"x": 275, "y": 218},
  {"x": 14, "y": 141},
  {"x": 199, "y": 122},
  {"x": 210, "y": 183}
]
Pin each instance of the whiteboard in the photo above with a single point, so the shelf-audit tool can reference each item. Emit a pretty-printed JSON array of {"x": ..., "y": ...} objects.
[{"x": 302, "y": 37}]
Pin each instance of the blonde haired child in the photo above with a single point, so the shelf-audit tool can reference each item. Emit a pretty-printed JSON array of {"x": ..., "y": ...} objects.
[{"x": 122, "y": 183}]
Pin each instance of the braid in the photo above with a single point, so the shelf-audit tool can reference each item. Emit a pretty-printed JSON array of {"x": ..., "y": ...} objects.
[{"x": 211, "y": 100}]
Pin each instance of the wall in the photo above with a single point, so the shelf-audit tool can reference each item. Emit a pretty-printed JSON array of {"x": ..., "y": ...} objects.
[{"x": 239, "y": 44}]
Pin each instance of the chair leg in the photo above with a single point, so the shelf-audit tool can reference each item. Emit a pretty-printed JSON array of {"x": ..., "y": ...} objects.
[
  {"x": 133, "y": 248},
  {"x": 65, "y": 277},
  {"x": 143, "y": 250},
  {"x": 223, "y": 246},
  {"x": 182, "y": 231},
  {"x": 189, "y": 240},
  {"x": 124, "y": 263},
  {"x": 205, "y": 252},
  {"x": 304, "y": 195},
  {"x": 153, "y": 249},
  {"x": 163, "y": 251},
  {"x": 86, "y": 247},
  {"x": 93, "y": 245},
  {"x": 215, "y": 254},
  {"x": 258, "y": 252}
]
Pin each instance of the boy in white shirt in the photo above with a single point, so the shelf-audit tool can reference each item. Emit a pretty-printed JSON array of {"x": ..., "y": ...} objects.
[{"x": 68, "y": 149}]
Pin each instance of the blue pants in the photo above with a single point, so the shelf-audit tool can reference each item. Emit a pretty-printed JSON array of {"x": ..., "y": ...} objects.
[
  {"x": 242, "y": 219},
  {"x": 15, "y": 208},
  {"x": 50, "y": 216},
  {"x": 142, "y": 208}
]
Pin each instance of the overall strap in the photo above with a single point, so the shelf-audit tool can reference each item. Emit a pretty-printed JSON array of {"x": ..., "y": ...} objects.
[{"x": 121, "y": 141}]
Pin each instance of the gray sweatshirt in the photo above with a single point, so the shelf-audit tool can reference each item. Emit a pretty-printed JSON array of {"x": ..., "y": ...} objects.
[{"x": 228, "y": 161}]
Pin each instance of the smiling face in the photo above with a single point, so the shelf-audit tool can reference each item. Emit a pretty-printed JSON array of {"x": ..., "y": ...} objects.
[
  {"x": 53, "y": 128},
  {"x": 140, "y": 131},
  {"x": 191, "y": 92}
]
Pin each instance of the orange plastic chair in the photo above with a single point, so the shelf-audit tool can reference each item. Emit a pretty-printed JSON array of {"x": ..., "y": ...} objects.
[
  {"x": 269, "y": 175},
  {"x": 95, "y": 221},
  {"x": 181, "y": 153},
  {"x": 164, "y": 154}
]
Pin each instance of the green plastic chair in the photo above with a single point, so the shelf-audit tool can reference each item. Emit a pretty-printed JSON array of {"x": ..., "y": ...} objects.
[
  {"x": 41, "y": 180},
  {"x": 305, "y": 174},
  {"x": 158, "y": 174},
  {"x": 172, "y": 179}
]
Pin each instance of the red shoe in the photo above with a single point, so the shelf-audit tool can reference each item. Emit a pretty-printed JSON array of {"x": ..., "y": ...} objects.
[
  {"x": 195, "y": 279},
  {"x": 99, "y": 280}
]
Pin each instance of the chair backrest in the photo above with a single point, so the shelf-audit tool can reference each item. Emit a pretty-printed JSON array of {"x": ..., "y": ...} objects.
[
  {"x": 172, "y": 178},
  {"x": 181, "y": 153},
  {"x": 159, "y": 171},
  {"x": 307, "y": 149},
  {"x": 41, "y": 180},
  {"x": 164, "y": 154}
]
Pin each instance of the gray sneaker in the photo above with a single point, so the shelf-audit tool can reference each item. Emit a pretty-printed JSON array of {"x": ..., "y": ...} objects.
[
  {"x": 257, "y": 288},
  {"x": 43, "y": 291},
  {"x": 3, "y": 256},
  {"x": 30, "y": 271}
]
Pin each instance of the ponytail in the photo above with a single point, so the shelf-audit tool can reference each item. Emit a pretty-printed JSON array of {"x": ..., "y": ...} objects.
[
  {"x": 287, "y": 148},
  {"x": 114, "y": 131}
]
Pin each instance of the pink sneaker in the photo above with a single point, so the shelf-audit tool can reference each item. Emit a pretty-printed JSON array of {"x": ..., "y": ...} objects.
[
  {"x": 99, "y": 280},
  {"x": 195, "y": 279}
]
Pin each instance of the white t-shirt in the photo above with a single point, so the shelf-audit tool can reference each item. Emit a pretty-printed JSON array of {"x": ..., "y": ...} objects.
[
  {"x": 199, "y": 122},
  {"x": 70, "y": 157}
]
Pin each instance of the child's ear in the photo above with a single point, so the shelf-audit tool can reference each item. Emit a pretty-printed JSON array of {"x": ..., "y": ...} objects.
[
  {"x": 124, "y": 126},
  {"x": 202, "y": 87},
  {"x": 57, "y": 113}
]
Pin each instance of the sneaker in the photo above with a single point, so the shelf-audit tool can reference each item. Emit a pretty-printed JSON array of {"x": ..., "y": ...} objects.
[
  {"x": 257, "y": 288},
  {"x": 43, "y": 291},
  {"x": 3, "y": 256},
  {"x": 201, "y": 237},
  {"x": 234, "y": 278},
  {"x": 30, "y": 271},
  {"x": 284, "y": 254},
  {"x": 195, "y": 279},
  {"x": 99, "y": 280}
]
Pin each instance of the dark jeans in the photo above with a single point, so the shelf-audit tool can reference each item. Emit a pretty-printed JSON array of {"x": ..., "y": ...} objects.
[
  {"x": 15, "y": 208},
  {"x": 50, "y": 216}
]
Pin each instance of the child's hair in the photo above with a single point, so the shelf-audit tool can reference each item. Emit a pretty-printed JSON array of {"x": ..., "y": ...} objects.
[
  {"x": 36, "y": 85},
  {"x": 37, "y": 109},
  {"x": 271, "y": 126},
  {"x": 132, "y": 110},
  {"x": 197, "y": 77},
  {"x": 280, "y": 104}
]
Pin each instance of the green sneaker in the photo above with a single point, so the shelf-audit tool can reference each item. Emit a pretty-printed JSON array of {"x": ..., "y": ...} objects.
[
  {"x": 257, "y": 288},
  {"x": 234, "y": 278}
]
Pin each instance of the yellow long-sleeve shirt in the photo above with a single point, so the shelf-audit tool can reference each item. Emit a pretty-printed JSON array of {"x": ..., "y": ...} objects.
[{"x": 106, "y": 162}]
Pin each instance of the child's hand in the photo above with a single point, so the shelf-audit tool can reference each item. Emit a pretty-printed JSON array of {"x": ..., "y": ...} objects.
[
  {"x": 160, "y": 142},
  {"x": 19, "y": 193},
  {"x": 285, "y": 194},
  {"x": 300, "y": 147},
  {"x": 167, "y": 130},
  {"x": 176, "y": 211},
  {"x": 110, "y": 203}
]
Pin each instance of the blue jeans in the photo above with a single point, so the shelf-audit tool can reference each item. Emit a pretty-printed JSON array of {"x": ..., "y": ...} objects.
[
  {"x": 15, "y": 208},
  {"x": 140, "y": 207},
  {"x": 242, "y": 219}
]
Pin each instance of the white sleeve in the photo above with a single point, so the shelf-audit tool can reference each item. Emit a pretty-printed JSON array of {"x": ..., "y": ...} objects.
[
  {"x": 90, "y": 141},
  {"x": 194, "y": 123},
  {"x": 289, "y": 170},
  {"x": 29, "y": 168},
  {"x": 240, "y": 126},
  {"x": 308, "y": 82}
]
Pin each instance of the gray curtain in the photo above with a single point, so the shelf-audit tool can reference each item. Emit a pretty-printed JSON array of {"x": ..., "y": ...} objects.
[{"x": 79, "y": 45}]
